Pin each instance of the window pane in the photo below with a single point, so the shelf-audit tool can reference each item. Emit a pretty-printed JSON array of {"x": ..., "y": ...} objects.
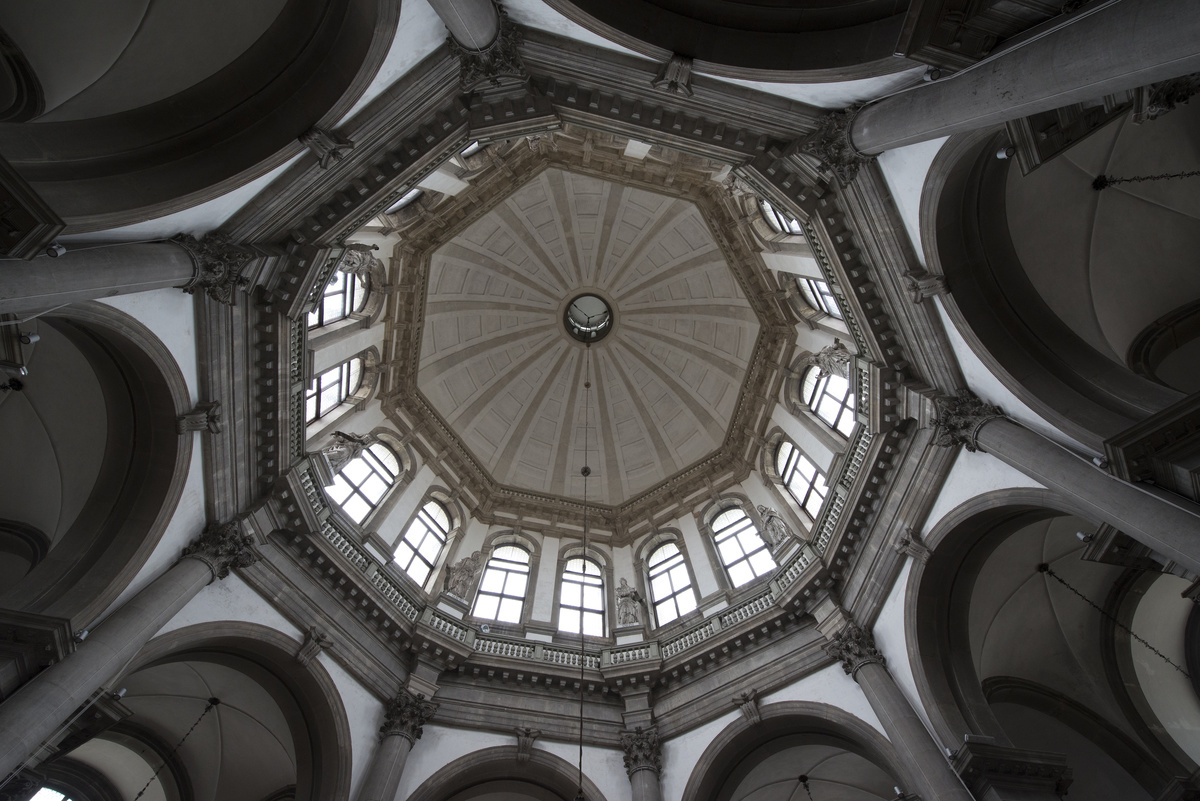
[
  {"x": 510, "y": 611},
  {"x": 419, "y": 571},
  {"x": 516, "y": 584},
  {"x": 356, "y": 508},
  {"x": 686, "y": 600},
  {"x": 740, "y": 573},
  {"x": 493, "y": 581},
  {"x": 568, "y": 620},
  {"x": 486, "y": 606}
]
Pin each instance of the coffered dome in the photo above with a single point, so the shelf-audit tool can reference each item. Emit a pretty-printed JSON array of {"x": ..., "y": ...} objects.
[{"x": 499, "y": 364}]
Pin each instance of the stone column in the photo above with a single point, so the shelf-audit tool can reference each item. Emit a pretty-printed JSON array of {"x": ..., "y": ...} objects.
[
  {"x": 643, "y": 762},
  {"x": 927, "y": 766},
  {"x": 1172, "y": 528},
  {"x": 213, "y": 265},
  {"x": 36, "y": 711},
  {"x": 474, "y": 24},
  {"x": 403, "y": 722}
]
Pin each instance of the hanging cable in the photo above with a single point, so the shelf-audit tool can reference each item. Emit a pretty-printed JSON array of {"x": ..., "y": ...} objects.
[
  {"x": 1103, "y": 181},
  {"x": 212, "y": 702},
  {"x": 1045, "y": 568},
  {"x": 585, "y": 471},
  {"x": 803, "y": 779}
]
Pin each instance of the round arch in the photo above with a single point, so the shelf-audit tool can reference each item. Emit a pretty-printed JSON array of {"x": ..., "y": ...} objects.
[
  {"x": 543, "y": 770},
  {"x": 315, "y": 715},
  {"x": 826, "y": 724},
  {"x": 143, "y": 463}
]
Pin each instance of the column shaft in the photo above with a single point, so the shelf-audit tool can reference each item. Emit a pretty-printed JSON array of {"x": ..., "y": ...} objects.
[
  {"x": 1121, "y": 46},
  {"x": 382, "y": 779},
  {"x": 103, "y": 272},
  {"x": 474, "y": 24},
  {"x": 1171, "y": 529},
  {"x": 39, "y": 708},
  {"x": 926, "y": 763},
  {"x": 645, "y": 785}
]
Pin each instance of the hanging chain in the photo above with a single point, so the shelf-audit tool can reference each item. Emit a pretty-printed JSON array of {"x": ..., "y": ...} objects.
[
  {"x": 1045, "y": 568},
  {"x": 585, "y": 471},
  {"x": 1103, "y": 181},
  {"x": 803, "y": 779},
  {"x": 211, "y": 703}
]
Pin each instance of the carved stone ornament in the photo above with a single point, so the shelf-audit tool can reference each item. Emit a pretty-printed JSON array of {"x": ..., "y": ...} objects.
[
  {"x": 675, "y": 76},
  {"x": 525, "y": 738},
  {"x": 960, "y": 417},
  {"x": 223, "y": 547},
  {"x": 775, "y": 532},
  {"x": 1162, "y": 98},
  {"x": 832, "y": 360},
  {"x": 315, "y": 641},
  {"x": 629, "y": 605},
  {"x": 642, "y": 750},
  {"x": 830, "y": 145},
  {"x": 911, "y": 544},
  {"x": 501, "y": 59},
  {"x": 359, "y": 260},
  {"x": 542, "y": 144},
  {"x": 854, "y": 646},
  {"x": 406, "y": 716},
  {"x": 218, "y": 265},
  {"x": 460, "y": 577},
  {"x": 327, "y": 146},
  {"x": 747, "y": 703},
  {"x": 922, "y": 285},
  {"x": 205, "y": 417},
  {"x": 344, "y": 448}
]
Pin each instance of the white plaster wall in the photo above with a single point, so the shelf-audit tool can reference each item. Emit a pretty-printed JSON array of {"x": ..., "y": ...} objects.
[
  {"x": 364, "y": 714},
  {"x": 1161, "y": 620},
  {"x": 392, "y": 525},
  {"x": 543, "y": 598},
  {"x": 680, "y": 754},
  {"x": 231, "y": 599},
  {"x": 338, "y": 352},
  {"x": 697, "y": 552},
  {"x": 905, "y": 170},
  {"x": 536, "y": 14},
  {"x": 440, "y": 746},
  {"x": 892, "y": 640},
  {"x": 198, "y": 220},
  {"x": 830, "y": 686},
  {"x": 418, "y": 34},
  {"x": 793, "y": 263},
  {"x": 623, "y": 564},
  {"x": 170, "y": 316},
  {"x": 604, "y": 766},
  {"x": 973, "y": 474},
  {"x": 990, "y": 388},
  {"x": 813, "y": 339},
  {"x": 800, "y": 431},
  {"x": 840, "y": 94}
]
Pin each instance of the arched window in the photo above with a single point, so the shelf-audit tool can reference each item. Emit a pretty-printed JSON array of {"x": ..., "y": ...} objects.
[
  {"x": 361, "y": 484},
  {"x": 780, "y": 222},
  {"x": 581, "y": 601},
  {"x": 408, "y": 198},
  {"x": 830, "y": 397},
  {"x": 670, "y": 585},
  {"x": 505, "y": 581},
  {"x": 330, "y": 388},
  {"x": 801, "y": 477},
  {"x": 421, "y": 545},
  {"x": 818, "y": 295},
  {"x": 46, "y": 794},
  {"x": 344, "y": 295},
  {"x": 742, "y": 549}
]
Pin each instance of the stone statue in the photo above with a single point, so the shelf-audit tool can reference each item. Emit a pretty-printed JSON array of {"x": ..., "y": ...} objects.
[
  {"x": 833, "y": 360},
  {"x": 629, "y": 610},
  {"x": 775, "y": 532},
  {"x": 460, "y": 577},
  {"x": 358, "y": 260},
  {"x": 344, "y": 448}
]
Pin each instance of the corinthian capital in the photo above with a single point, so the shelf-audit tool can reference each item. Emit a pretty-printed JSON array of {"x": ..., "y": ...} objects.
[
  {"x": 223, "y": 547},
  {"x": 406, "y": 716},
  {"x": 217, "y": 265},
  {"x": 830, "y": 145},
  {"x": 854, "y": 646},
  {"x": 499, "y": 60},
  {"x": 960, "y": 417},
  {"x": 642, "y": 750}
]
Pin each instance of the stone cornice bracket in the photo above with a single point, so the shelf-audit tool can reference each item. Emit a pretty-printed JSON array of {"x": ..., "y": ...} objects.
[
  {"x": 922, "y": 284},
  {"x": 315, "y": 641},
  {"x": 830, "y": 145},
  {"x": 747, "y": 704},
  {"x": 910, "y": 543},
  {"x": 328, "y": 146},
  {"x": 205, "y": 417},
  {"x": 406, "y": 716},
  {"x": 643, "y": 751},
  {"x": 525, "y": 738},
  {"x": 492, "y": 64},
  {"x": 960, "y": 417},
  {"x": 218, "y": 265},
  {"x": 854, "y": 647},
  {"x": 987, "y": 768},
  {"x": 223, "y": 547},
  {"x": 675, "y": 76}
]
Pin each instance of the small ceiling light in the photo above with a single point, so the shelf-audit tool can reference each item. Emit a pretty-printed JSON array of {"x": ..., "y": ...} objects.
[{"x": 588, "y": 318}]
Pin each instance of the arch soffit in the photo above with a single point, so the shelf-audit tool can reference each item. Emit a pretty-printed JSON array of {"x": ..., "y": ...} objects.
[
  {"x": 828, "y": 723},
  {"x": 500, "y": 762},
  {"x": 161, "y": 395},
  {"x": 324, "y": 724},
  {"x": 1069, "y": 384}
]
